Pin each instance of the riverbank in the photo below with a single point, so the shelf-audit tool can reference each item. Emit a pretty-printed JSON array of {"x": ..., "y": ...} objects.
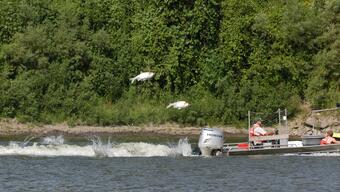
[
  {"x": 11, "y": 127},
  {"x": 298, "y": 126}
]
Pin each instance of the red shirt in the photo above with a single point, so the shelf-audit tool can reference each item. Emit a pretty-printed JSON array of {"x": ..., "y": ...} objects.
[{"x": 327, "y": 140}]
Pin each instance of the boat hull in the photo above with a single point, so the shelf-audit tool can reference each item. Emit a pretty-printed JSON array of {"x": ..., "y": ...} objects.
[{"x": 282, "y": 150}]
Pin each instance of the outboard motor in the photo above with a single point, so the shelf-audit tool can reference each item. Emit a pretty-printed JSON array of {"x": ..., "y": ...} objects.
[{"x": 211, "y": 141}]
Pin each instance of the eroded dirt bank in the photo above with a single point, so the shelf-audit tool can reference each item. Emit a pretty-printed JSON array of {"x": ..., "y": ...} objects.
[
  {"x": 11, "y": 127},
  {"x": 300, "y": 125}
]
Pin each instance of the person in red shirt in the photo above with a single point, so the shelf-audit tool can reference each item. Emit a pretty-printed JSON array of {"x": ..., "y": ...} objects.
[
  {"x": 329, "y": 139},
  {"x": 257, "y": 130}
]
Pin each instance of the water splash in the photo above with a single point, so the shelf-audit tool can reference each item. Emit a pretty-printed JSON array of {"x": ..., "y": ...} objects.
[
  {"x": 184, "y": 147},
  {"x": 55, "y": 146},
  {"x": 21, "y": 144},
  {"x": 316, "y": 154},
  {"x": 53, "y": 140},
  {"x": 139, "y": 149},
  {"x": 100, "y": 149}
]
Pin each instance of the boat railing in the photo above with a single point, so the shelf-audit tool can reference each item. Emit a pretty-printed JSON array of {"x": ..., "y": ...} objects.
[
  {"x": 269, "y": 137},
  {"x": 232, "y": 146},
  {"x": 246, "y": 146}
]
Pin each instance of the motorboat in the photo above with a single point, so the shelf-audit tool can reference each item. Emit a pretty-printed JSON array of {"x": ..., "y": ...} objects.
[
  {"x": 211, "y": 142},
  {"x": 243, "y": 149}
]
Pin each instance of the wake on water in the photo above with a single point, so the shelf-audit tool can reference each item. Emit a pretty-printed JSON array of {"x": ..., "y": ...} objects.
[
  {"x": 55, "y": 146},
  {"x": 316, "y": 154}
]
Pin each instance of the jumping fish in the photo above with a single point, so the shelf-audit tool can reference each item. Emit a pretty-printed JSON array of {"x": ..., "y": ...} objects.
[
  {"x": 178, "y": 105},
  {"x": 142, "y": 76}
]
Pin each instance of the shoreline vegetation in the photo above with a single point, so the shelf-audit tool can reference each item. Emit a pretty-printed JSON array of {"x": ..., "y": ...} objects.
[{"x": 72, "y": 61}]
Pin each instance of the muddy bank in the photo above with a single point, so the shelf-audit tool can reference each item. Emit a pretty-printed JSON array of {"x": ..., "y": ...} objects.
[
  {"x": 302, "y": 124},
  {"x": 11, "y": 127}
]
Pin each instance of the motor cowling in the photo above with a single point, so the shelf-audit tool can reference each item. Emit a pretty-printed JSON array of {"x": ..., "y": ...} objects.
[{"x": 211, "y": 141}]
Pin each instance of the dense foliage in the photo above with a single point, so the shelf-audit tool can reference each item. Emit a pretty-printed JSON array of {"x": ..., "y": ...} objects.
[{"x": 71, "y": 60}]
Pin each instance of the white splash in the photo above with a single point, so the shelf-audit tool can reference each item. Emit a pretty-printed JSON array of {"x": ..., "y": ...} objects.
[
  {"x": 24, "y": 143},
  {"x": 54, "y": 146},
  {"x": 331, "y": 154},
  {"x": 140, "y": 150},
  {"x": 47, "y": 150},
  {"x": 316, "y": 154},
  {"x": 100, "y": 149},
  {"x": 53, "y": 140},
  {"x": 184, "y": 147}
]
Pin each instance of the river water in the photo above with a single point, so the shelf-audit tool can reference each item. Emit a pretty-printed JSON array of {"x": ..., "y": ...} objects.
[{"x": 53, "y": 164}]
